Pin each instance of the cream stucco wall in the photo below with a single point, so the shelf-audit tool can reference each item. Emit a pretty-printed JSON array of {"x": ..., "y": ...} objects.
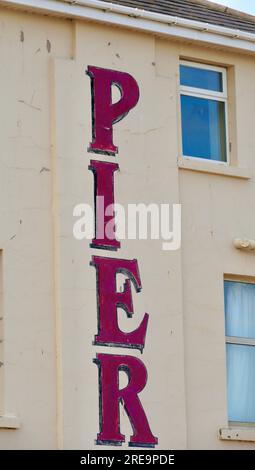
[{"x": 49, "y": 289}]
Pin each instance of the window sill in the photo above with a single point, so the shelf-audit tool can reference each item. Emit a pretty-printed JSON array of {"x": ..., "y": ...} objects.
[
  {"x": 214, "y": 168},
  {"x": 9, "y": 422},
  {"x": 237, "y": 434}
]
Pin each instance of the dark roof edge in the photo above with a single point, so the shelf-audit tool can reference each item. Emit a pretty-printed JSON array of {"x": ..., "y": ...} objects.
[{"x": 224, "y": 9}]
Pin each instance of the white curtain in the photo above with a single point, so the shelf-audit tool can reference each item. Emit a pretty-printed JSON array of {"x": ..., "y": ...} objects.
[
  {"x": 240, "y": 322},
  {"x": 241, "y": 383},
  {"x": 240, "y": 309}
]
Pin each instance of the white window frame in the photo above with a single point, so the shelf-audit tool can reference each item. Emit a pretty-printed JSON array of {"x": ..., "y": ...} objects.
[
  {"x": 211, "y": 95},
  {"x": 239, "y": 340}
]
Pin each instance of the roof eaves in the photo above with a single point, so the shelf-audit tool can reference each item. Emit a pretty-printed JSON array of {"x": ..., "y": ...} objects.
[{"x": 141, "y": 20}]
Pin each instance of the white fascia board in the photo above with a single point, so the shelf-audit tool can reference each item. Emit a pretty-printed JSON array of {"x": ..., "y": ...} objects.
[{"x": 141, "y": 20}]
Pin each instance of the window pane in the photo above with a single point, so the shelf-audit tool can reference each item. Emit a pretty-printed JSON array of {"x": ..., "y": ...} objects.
[
  {"x": 240, "y": 309},
  {"x": 241, "y": 383},
  {"x": 203, "y": 128},
  {"x": 1, "y": 337},
  {"x": 201, "y": 78}
]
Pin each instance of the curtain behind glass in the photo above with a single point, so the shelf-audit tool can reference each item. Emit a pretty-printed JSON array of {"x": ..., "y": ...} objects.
[
  {"x": 240, "y": 322},
  {"x": 241, "y": 383},
  {"x": 240, "y": 309}
]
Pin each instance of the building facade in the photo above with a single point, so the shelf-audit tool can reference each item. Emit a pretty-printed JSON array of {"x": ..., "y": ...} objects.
[{"x": 185, "y": 71}]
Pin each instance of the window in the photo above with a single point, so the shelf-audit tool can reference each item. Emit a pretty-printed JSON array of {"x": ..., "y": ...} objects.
[
  {"x": 204, "y": 111},
  {"x": 1, "y": 335},
  {"x": 240, "y": 344}
]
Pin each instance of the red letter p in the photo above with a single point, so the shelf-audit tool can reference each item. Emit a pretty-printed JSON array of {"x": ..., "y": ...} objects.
[{"x": 104, "y": 112}]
